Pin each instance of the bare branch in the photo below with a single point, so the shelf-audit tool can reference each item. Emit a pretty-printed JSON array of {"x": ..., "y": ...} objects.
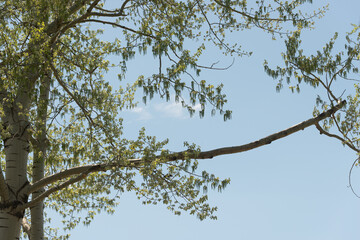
[{"x": 216, "y": 68}]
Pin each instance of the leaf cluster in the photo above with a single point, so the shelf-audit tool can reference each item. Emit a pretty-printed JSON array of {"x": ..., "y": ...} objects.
[{"x": 54, "y": 52}]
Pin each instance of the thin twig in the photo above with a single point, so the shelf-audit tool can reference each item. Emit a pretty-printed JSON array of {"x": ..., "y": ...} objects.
[
  {"x": 120, "y": 26},
  {"x": 322, "y": 131},
  {"x": 350, "y": 172},
  {"x": 63, "y": 85},
  {"x": 110, "y": 13}
]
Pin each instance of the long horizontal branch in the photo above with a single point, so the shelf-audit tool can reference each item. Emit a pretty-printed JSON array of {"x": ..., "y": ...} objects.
[
  {"x": 255, "y": 144},
  {"x": 186, "y": 154}
]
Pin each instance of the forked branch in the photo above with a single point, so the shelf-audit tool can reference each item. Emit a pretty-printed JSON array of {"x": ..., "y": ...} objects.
[{"x": 44, "y": 195}]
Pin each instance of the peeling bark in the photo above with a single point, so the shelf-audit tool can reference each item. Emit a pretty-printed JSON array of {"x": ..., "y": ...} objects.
[{"x": 26, "y": 227}]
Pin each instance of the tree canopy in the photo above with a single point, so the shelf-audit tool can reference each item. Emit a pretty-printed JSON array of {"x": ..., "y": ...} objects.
[{"x": 63, "y": 143}]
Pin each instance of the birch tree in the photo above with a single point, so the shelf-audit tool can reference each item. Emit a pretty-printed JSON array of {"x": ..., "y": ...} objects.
[{"x": 63, "y": 146}]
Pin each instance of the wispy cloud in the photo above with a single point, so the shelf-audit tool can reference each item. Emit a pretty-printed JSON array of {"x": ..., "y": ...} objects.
[
  {"x": 143, "y": 113},
  {"x": 164, "y": 110},
  {"x": 172, "y": 110}
]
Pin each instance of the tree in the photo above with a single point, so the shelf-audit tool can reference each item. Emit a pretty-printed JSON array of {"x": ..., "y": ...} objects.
[{"x": 63, "y": 146}]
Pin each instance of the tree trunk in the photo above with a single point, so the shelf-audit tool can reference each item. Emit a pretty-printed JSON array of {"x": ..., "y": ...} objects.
[
  {"x": 37, "y": 212},
  {"x": 37, "y": 220},
  {"x": 16, "y": 147},
  {"x": 16, "y": 151},
  {"x": 9, "y": 226}
]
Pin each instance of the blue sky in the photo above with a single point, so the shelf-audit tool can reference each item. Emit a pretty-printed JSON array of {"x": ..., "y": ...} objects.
[{"x": 295, "y": 188}]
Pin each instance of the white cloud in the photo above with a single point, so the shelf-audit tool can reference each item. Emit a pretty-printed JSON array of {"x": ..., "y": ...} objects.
[
  {"x": 143, "y": 113},
  {"x": 173, "y": 110},
  {"x": 167, "y": 110}
]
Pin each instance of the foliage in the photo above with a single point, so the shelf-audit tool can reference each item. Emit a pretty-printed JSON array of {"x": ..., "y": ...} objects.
[
  {"x": 323, "y": 69},
  {"x": 54, "y": 52}
]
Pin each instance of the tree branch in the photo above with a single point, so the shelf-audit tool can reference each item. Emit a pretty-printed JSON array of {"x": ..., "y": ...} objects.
[
  {"x": 52, "y": 190},
  {"x": 322, "y": 131},
  {"x": 83, "y": 18},
  {"x": 65, "y": 174},
  {"x": 108, "y": 13},
  {"x": 184, "y": 154},
  {"x": 56, "y": 24},
  {"x": 252, "y": 145},
  {"x": 120, "y": 26},
  {"x": 317, "y": 79},
  {"x": 63, "y": 85},
  {"x": 79, "y": 19},
  {"x": 252, "y": 17}
]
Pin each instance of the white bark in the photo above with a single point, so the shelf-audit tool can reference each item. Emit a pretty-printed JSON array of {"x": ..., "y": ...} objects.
[
  {"x": 37, "y": 212},
  {"x": 37, "y": 222},
  {"x": 16, "y": 157},
  {"x": 9, "y": 226},
  {"x": 16, "y": 151}
]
